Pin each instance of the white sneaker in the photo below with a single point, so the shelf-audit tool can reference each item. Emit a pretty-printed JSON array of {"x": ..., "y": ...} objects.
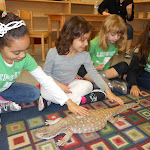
[
  {"x": 9, "y": 106},
  {"x": 43, "y": 103},
  {"x": 128, "y": 54},
  {"x": 14, "y": 106}
]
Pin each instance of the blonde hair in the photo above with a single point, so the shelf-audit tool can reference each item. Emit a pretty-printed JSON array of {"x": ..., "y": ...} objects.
[{"x": 116, "y": 24}]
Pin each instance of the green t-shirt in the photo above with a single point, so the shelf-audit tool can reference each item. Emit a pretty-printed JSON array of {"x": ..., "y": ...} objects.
[
  {"x": 9, "y": 73},
  {"x": 147, "y": 67},
  {"x": 99, "y": 56}
]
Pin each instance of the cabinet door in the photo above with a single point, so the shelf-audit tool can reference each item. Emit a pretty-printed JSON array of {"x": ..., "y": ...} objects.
[{"x": 2, "y": 5}]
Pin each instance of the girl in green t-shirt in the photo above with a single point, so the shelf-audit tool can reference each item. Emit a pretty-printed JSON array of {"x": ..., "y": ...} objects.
[
  {"x": 138, "y": 74},
  {"x": 112, "y": 38},
  {"x": 14, "y": 57}
]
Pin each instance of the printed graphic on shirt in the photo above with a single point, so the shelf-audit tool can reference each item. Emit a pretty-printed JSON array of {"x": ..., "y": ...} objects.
[
  {"x": 6, "y": 80},
  {"x": 105, "y": 54},
  {"x": 9, "y": 73},
  {"x": 104, "y": 57},
  {"x": 147, "y": 68}
]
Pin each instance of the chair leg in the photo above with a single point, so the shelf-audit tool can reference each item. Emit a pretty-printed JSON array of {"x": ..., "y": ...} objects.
[
  {"x": 32, "y": 45},
  {"x": 48, "y": 43},
  {"x": 43, "y": 48}
]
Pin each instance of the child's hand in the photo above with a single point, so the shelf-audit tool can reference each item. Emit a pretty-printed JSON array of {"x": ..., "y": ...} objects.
[
  {"x": 135, "y": 91},
  {"x": 106, "y": 13},
  {"x": 76, "y": 109},
  {"x": 64, "y": 87},
  {"x": 113, "y": 97},
  {"x": 100, "y": 67}
]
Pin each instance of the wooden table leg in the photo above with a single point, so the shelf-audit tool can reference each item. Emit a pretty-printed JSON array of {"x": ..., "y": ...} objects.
[{"x": 50, "y": 32}]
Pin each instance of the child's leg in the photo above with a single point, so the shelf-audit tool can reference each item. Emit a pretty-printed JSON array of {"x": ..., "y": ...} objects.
[
  {"x": 2, "y": 100},
  {"x": 21, "y": 93},
  {"x": 116, "y": 86},
  {"x": 47, "y": 96},
  {"x": 94, "y": 96},
  {"x": 116, "y": 70},
  {"x": 144, "y": 80},
  {"x": 78, "y": 88},
  {"x": 9, "y": 106}
]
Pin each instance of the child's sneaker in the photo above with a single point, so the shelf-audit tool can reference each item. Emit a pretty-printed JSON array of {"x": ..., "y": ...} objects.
[
  {"x": 95, "y": 95},
  {"x": 43, "y": 103},
  {"x": 128, "y": 54},
  {"x": 9, "y": 106},
  {"x": 119, "y": 87}
]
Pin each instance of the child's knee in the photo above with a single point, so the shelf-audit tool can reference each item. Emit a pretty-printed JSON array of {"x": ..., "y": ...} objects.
[
  {"x": 88, "y": 85},
  {"x": 123, "y": 68}
]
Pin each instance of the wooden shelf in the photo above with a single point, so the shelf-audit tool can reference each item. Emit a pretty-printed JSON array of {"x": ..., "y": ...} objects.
[
  {"x": 137, "y": 32},
  {"x": 44, "y": 1},
  {"x": 82, "y": 3},
  {"x": 42, "y": 7},
  {"x": 143, "y": 1},
  {"x": 141, "y": 18},
  {"x": 39, "y": 7}
]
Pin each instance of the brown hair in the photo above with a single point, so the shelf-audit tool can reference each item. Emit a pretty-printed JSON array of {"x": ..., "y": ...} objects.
[
  {"x": 144, "y": 45},
  {"x": 11, "y": 34},
  {"x": 74, "y": 27},
  {"x": 113, "y": 23}
]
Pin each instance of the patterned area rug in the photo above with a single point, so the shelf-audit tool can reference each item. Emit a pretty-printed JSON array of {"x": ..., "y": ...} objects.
[{"x": 19, "y": 128}]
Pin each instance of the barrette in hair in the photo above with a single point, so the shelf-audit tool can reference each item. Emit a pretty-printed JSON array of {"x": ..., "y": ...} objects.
[
  {"x": 4, "y": 14},
  {"x": 11, "y": 25}
]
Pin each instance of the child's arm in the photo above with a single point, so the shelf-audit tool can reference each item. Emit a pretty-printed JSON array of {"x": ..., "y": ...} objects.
[
  {"x": 135, "y": 91},
  {"x": 76, "y": 109},
  {"x": 132, "y": 73},
  {"x": 99, "y": 81},
  {"x": 113, "y": 97},
  {"x": 99, "y": 67},
  {"x": 58, "y": 94},
  {"x": 50, "y": 85},
  {"x": 64, "y": 87}
]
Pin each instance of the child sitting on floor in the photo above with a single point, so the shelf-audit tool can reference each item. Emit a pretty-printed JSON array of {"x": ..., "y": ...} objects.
[
  {"x": 14, "y": 57},
  {"x": 112, "y": 38},
  {"x": 139, "y": 69},
  {"x": 64, "y": 61}
]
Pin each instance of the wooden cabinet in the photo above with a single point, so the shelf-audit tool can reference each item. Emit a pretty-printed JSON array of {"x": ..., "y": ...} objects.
[
  {"x": 39, "y": 8},
  {"x": 2, "y": 5},
  {"x": 142, "y": 14},
  {"x": 42, "y": 7}
]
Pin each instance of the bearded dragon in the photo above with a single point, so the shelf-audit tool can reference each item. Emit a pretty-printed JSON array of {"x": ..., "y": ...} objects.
[{"x": 96, "y": 120}]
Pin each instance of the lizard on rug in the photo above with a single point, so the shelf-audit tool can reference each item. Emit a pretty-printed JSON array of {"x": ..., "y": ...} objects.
[{"x": 96, "y": 120}]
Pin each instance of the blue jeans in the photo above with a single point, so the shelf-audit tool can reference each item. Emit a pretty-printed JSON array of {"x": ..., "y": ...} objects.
[
  {"x": 129, "y": 31},
  {"x": 21, "y": 93},
  {"x": 144, "y": 80}
]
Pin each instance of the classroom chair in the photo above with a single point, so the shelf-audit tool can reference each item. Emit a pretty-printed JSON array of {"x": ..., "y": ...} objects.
[{"x": 28, "y": 16}]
